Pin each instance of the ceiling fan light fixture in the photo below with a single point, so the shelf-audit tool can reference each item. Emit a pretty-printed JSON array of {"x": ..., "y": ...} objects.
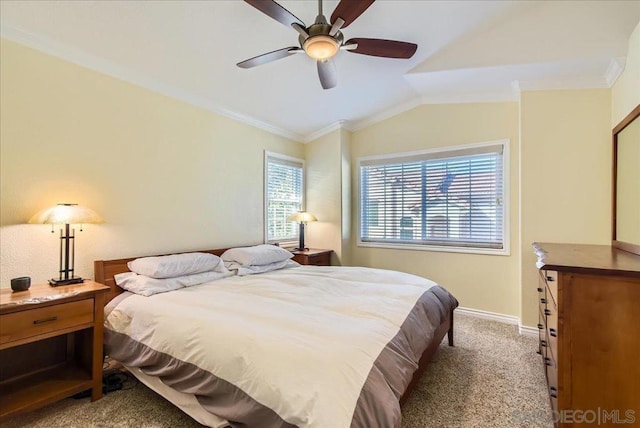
[{"x": 321, "y": 47}]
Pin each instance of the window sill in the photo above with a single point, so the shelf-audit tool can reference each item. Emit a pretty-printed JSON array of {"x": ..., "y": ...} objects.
[
  {"x": 285, "y": 244},
  {"x": 441, "y": 249}
]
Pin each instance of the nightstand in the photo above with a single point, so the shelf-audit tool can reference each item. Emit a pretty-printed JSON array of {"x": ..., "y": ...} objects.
[
  {"x": 50, "y": 344},
  {"x": 313, "y": 257}
]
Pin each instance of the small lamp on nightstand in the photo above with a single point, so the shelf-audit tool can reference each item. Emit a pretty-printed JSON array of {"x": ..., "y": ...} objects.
[
  {"x": 66, "y": 214},
  {"x": 301, "y": 217}
]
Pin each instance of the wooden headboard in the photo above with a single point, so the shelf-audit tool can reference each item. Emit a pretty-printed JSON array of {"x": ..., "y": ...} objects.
[{"x": 104, "y": 270}]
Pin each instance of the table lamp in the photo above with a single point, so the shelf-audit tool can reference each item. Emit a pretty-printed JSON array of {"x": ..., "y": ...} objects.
[
  {"x": 66, "y": 214},
  {"x": 301, "y": 217}
]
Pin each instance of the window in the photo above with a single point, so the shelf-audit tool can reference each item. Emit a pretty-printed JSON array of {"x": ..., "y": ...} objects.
[
  {"x": 283, "y": 189},
  {"x": 448, "y": 199}
]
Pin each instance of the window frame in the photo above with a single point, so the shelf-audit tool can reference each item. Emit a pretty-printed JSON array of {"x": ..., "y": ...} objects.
[
  {"x": 506, "y": 204},
  {"x": 267, "y": 156}
]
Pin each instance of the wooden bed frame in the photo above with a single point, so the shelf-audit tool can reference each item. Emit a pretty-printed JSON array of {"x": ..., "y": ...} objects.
[{"x": 104, "y": 270}]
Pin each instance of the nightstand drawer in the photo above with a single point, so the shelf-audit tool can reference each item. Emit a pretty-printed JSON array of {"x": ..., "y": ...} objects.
[
  {"x": 313, "y": 257},
  {"x": 33, "y": 322},
  {"x": 323, "y": 259}
]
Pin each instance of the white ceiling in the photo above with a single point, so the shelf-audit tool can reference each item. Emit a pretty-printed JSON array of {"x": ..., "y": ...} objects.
[{"x": 467, "y": 51}]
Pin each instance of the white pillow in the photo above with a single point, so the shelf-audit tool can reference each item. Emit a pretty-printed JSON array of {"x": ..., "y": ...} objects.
[
  {"x": 257, "y": 255},
  {"x": 174, "y": 265},
  {"x": 146, "y": 286},
  {"x": 242, "y": 270}
]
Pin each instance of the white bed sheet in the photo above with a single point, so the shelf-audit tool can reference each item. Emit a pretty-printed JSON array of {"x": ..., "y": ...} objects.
[{"x": 185, "y": 402}]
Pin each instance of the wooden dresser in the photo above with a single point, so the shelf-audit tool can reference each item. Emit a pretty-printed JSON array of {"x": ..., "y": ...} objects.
[{"x": 589, "y": 300}]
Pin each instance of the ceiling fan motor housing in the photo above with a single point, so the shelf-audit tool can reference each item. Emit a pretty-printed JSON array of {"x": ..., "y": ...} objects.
[{"x": 319, "y": 36}]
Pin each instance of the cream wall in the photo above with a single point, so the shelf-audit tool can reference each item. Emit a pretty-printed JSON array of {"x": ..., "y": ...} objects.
[
  {"x": 565, "y": 166},
  {"x": 484, "y": 282},
  {"x": 347, "y": 193},
  {"x": 625, "y": 93},
  {"x": 328, "y": 192},
  {"x": 165, "y": 175},
  {"x": 323, "y": 193}
]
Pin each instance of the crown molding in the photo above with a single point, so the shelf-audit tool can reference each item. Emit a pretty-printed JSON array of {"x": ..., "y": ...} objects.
[
  {"x": 100, "y": 65},
  {"x": 384, "y": 114},
  {"x": 507, "y": 95},
  {"x": 576, "y": 82},
  {"x": 478, "y": 97},
  {"x": 325, "y": 130},
  {"x": 614, "y": 70}
]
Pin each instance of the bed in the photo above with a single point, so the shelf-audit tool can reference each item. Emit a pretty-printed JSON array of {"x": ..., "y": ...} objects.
[{"x": 306, "y": 346}]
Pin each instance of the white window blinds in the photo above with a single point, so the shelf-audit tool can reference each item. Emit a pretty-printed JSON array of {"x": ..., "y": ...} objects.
[
  {"x": 451, "y": 198},
  {"x": 284, "y": 189}
]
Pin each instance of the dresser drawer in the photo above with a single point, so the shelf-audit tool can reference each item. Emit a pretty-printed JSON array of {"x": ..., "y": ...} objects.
[
  {"x": 551, "y": 281},
  {"x": 552, "y": 382},
  {"x": 551, "y": 321},
  {"x": 24, "y": 324},
  {"x": 552, "y": 342},
  {"x": 543, "y": 304},
  {"x": 543, "y": 342}
]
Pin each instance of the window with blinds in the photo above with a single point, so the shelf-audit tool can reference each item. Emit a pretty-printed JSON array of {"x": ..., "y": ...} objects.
[
  {"x": 284, "y": 189},
  {"x": 448, "y": 199}
]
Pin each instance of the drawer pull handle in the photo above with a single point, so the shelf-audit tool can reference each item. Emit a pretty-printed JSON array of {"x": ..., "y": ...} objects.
[
  {"x": 552, "y": 332},
  {"x": 553, "y": 392},
  {"x": 44, "y": 320},
  {"x": 547, "y": 361},
  {"x": 543, "y": 343},
  {"x": 547, "y": 312},
  {"x": 540, "y": 290},
  {"x": 550, "y": 278},
  {"x": 539, "y": 352},
  {"x": 540, "y": 327},
  {"x": 543, "y": 301}
]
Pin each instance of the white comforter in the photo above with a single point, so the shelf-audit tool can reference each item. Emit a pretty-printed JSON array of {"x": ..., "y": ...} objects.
[{"x": 300, "y": 341}]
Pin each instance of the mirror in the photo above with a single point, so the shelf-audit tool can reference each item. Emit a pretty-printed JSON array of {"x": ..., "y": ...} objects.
[{"x": 626, "y": 183}]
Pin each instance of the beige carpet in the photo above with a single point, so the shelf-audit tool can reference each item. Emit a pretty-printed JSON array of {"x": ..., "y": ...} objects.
[{"x": 491, "y": 378}]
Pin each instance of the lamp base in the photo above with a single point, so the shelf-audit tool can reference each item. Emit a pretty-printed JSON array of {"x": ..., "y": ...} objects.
[
  {"x": 301, "y": 249},
  {"x": 68, "y": 281}
]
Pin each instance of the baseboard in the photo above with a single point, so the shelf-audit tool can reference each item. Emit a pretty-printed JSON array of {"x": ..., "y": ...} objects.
[
  {"x": 493, "y": 316},
  {"x": 486, "y": 315},
  {"x": 528, "y": 331}
]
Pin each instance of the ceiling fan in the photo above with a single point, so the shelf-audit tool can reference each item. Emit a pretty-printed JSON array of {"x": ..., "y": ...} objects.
[{"x": 322, "y": 40}]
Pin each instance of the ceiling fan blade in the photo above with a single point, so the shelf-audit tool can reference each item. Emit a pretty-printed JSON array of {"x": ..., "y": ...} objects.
[
  {"x": 350, "y": 10},
  {"x": 268, "y": 57},
  {"x": 383, "y": 48},
  {"x": 277, "y": 12},
  {"x": 327, "y": 73}
]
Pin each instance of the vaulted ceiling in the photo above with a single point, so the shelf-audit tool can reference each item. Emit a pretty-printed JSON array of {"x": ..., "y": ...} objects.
[{"x": 467, "y": 51}]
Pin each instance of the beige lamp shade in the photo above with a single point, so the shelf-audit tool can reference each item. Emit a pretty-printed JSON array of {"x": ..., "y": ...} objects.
[
  {"x": 301, "y": 217},
  {"x": 66, "y": 214}
]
